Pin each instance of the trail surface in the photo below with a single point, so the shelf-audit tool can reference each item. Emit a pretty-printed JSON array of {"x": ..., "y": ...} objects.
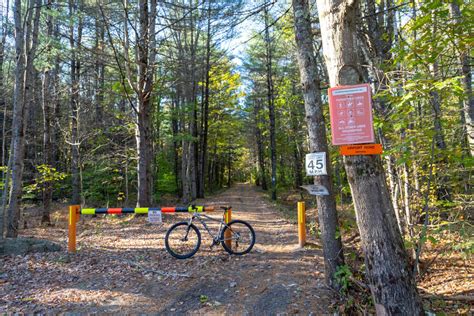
[{"x": 122, "y": 267}]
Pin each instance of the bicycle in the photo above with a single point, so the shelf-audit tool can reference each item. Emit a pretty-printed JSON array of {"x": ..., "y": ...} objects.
[{"x": 183, "y": 239}]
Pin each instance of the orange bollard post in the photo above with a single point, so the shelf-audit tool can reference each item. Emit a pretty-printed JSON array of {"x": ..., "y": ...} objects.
[
  {"x": 228, "y": 234},
  {"x": 301, "y": 224},
  {"x": 73, "y": 216}
]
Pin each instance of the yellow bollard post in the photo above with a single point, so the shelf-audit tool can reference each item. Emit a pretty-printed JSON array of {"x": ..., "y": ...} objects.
[
  {"x": 228, "y": 234},
  {"x": 301, "y": 224},
  {"x": 73, "y": 216}
]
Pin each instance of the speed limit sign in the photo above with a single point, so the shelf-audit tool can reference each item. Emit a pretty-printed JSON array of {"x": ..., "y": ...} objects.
[{"x": 316, "y": 164}]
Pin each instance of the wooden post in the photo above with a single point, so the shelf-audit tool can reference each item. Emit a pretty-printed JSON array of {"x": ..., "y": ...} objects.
[
  {"x": 301, "y": 224},
  {"x": 73, "y": 217},
  {"x": 228, "y": 234}
]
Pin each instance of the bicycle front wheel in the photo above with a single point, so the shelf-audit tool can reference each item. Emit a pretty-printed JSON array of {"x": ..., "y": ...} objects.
[
  {"x": 182, "y": 240},
  {"x": 238, "y": 237}
]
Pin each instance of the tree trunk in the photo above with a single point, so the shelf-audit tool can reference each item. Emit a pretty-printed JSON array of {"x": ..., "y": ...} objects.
[
  {"x": 332, "y": 246},
  {"x": 271, "y": 102},
  {"x": 146, "y": 66},
  {"x": 20, "y": 114},
  {"x": 297, "y": 139},
  {"x": 205, "y": 115},
  {"x": 3, "y": 105},
  {"x": 468, "y": 99},
  {"x": 442, "y": 191},
  {"x": 175, "y": 131},
  {"x": 75, "y": 43},
  {"x": 259, "y": 140},
  {"x": 99, "y": 73},
  {"x": 46, "y": 101},
  {"x": 392, "y": 285}
]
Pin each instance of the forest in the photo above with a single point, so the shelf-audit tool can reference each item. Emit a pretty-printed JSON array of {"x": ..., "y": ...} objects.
[{"x": 138, "y": 103}]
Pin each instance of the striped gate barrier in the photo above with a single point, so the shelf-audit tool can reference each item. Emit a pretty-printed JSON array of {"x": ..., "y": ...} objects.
[{"x": 75, "y": 211}]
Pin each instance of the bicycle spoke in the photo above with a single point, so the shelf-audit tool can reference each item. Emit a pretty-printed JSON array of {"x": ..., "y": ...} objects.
[
  {"x": 242, "y": 237},
  {"x": 182, "y": 241}
]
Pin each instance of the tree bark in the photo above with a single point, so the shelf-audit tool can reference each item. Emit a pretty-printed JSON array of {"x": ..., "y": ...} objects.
[
  {"x": 442, "y": 191},
  {"x": 259, "y": 139},
  {"x": 99, "y": 73},
  {"x": 146, "y": 66},
  {"x": 271, "y": 103},
  {"x": 46, "y": 101},
  {"x": 22, "y": 102},
  {"x": 468, "y": 99},
  {"x": 205, "y": 115},
  {"x": 75, "y": 42},
  {"x": 332, "y": 246},
  {"x": 391, "y": 283},
  {"x": 3, "y": 105}
]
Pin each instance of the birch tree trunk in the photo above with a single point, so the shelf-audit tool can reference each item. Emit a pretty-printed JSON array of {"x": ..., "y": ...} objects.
[
  {"x": 332, "y": 246},
  {"x": 391, "y": 283}
]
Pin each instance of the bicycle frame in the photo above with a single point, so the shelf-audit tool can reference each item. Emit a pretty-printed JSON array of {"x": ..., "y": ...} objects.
[{"x": 200, "y": 218}]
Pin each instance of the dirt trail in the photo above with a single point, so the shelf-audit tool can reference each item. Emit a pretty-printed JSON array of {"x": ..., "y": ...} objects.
[{"x": 122, "y": 266}]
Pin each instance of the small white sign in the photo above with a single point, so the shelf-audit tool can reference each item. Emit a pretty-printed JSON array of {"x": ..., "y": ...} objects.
[
  {"x": 316, "y": 164},
  {"x": 315, "y": 189},
  {"x": 154, "y": 217}
]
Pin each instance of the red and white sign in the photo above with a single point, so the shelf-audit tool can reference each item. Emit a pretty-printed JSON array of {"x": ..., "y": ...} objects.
[{"x": 350, "y": 108}]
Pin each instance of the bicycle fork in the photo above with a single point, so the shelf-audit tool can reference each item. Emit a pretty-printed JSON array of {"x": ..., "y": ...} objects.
[{"x": 185, "y": 238}]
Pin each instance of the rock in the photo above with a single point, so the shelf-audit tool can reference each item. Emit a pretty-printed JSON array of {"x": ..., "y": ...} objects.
[{"x": 23, "y": 246}]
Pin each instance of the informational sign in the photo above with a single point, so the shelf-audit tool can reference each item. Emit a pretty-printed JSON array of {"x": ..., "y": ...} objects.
[
  {"x": 315, "y": 189},
  {"x": 367, "y": 149},
  {"x": 154, "y": 217},
  {"x": 350, "y": 108},
  {"x": 316, "y": 164}
]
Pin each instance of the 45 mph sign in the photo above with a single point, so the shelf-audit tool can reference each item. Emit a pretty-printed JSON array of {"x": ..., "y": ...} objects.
[{"x": 316, "y": 164}]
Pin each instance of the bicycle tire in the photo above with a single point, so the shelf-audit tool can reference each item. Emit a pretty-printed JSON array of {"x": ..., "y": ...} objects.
[
  {"x": 241, "y": 228},
  {"x": 170, "y": 244}
]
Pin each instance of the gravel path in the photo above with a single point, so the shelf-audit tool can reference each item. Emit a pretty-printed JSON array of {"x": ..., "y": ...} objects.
[{"x": 122, "y": 267}]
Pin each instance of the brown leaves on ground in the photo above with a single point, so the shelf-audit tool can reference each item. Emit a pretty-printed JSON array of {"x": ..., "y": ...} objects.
[{"x": 121, "y": 266}]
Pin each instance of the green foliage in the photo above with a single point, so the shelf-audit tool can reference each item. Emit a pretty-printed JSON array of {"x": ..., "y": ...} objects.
[
  {"x": 166, "y": 179},
  {"x": 343, "y": 276},
  {"x": 203, "y": 299},
  {"x": 46, "y": 175}
]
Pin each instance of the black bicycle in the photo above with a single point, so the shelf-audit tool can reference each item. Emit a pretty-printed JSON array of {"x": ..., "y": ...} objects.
[{"x": 183, "y": 239}]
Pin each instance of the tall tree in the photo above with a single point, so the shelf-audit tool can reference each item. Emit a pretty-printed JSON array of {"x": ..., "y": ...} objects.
[
  {"x": 270, "y": 101},
  {"x": 391, "y": 283},
  {"x": 332, "y": 246},
  {"x": 25, "y": 45},
  {"x": 47, "y": 97},
  {"x": 4, "y": 10},
  {"x": 468, "y": 98},
  {"x": 75, "y": 39},
  {"x": 146, "y": 65}
]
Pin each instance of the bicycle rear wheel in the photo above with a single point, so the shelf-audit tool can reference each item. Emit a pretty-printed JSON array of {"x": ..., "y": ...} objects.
[
  {"x": 241, "y": 236},
  {"x": 182, "y": 240}
]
